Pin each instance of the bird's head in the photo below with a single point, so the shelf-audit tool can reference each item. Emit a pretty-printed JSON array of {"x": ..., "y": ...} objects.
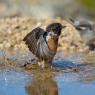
[
  {"x": 54, "y": 29},
  {"x": 82, "y": 25}
]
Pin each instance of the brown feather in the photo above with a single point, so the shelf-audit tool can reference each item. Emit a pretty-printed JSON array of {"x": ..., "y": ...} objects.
[
  {"x": 32, "y": 38},
  {"x": 52, "y": 44}
]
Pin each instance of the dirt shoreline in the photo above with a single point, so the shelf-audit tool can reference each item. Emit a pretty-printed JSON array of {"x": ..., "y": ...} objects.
[{"x": 13, "y": 30}]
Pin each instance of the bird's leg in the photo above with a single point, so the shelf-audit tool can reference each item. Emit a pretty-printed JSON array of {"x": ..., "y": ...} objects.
[
  {"x": 44, "y": 63},
  {"x": 41, "y": 63},
  {"x": 48, "y": 64}
]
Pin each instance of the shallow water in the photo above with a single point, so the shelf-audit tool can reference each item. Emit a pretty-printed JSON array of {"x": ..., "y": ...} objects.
[
  {"x": 71, "y": 84},
  {"x": 13, "y": 82},
  {"x": 58, "y": 81}
]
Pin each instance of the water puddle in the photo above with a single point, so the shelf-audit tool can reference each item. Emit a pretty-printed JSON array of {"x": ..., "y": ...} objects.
[
  {"x": 74, "y": 84},
  {"x": 13, "y": 82},
  {"x": 56, "y": 81}
]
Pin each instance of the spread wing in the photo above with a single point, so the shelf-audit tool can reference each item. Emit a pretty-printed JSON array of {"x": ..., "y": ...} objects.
[{"x": 32, "y": 38}]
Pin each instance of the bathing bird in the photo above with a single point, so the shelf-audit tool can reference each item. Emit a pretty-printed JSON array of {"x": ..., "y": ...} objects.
[{"x": 43, "y": 43}]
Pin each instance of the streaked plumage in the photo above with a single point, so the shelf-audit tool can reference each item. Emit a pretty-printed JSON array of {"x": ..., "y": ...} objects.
[
  {"x": 43, "y": 44},
  {"x": 32, "y": 38}
]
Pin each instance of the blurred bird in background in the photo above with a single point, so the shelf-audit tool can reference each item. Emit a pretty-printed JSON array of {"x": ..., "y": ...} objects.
[
  {"x": 87, "y": 31},
  {"x": 44, "y": 43}
]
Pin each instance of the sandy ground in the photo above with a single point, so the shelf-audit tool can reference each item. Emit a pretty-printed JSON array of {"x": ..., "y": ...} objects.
[
  {"x": 13, "y": 49},
  {"x": 13, "y": 30}
]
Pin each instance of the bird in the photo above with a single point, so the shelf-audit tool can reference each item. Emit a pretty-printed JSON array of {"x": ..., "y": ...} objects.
[
  {"x": 86, "y": 30},
  {"x": 43, "y": 43}
]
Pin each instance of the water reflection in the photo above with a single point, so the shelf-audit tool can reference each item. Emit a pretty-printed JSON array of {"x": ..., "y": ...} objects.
[
  {"x": 49, "y": 82},
  {"x": 42, "y": 85}
]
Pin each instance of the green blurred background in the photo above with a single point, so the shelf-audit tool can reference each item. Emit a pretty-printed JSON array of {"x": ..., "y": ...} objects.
[{"x": 89, "y": 4}]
